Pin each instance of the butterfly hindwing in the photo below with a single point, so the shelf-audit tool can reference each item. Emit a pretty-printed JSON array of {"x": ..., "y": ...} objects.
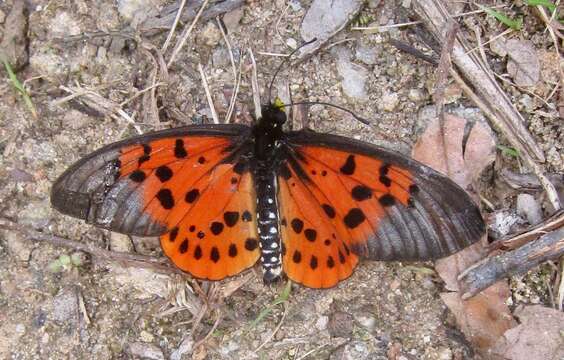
[
  {"x": 383, "y": 205},
  {"x": 215, "y": 234},
  {"x": 316, "y": 254}
]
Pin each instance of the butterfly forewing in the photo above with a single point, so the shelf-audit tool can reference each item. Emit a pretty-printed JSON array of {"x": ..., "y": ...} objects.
[
  {"x": 132, "y": 186},
  {"x": 389, "y": 206}
]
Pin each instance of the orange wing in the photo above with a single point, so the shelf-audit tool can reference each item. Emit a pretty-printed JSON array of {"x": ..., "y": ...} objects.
[
  {"x": 377, "y": 203},
  {"x": 186, "y": 185}
]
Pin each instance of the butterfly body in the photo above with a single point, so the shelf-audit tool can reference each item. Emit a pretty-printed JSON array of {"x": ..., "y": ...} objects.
[{"x": 308, "y": 205}]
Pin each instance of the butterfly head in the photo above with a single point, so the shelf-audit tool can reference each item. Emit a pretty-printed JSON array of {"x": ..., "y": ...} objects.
[{"x": 273, "y": 115}]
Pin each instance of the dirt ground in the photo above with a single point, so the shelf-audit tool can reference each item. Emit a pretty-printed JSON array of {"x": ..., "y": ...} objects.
[{"x": 89, "y": 308}]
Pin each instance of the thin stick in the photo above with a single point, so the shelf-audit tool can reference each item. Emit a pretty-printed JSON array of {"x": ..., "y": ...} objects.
[
  {"x": 386, "y": 27},
  {"x": 210, "y": 333},
  {"x": 235, "y": 76},
  {"x": 275, "y": 330},
  {"x": 234, "y": 94},
  {"x": 134, "y": 260},
  {"x": 141, "y": 92},
  {"x": 266, "y": 53},
  {"x": 255, "y": 86},
  {"x": 208, "y": 94},
  {"x": 186, "y": 34},
  {"x": 174, "y": 25}
]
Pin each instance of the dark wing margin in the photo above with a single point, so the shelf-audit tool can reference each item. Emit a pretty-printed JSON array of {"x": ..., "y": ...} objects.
[
  {"x": 408, "y": 211},
  {"x": 106, "y": 187}
]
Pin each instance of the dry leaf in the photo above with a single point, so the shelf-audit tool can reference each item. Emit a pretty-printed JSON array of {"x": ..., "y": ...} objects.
[
  {"x": 538, "y": 337},
  {"x": 523, "y": 64},
  {"x": 484, "y": 318}
]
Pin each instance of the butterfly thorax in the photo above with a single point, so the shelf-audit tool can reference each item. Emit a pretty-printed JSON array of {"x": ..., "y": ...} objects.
[{"x": 267, "y": 136}]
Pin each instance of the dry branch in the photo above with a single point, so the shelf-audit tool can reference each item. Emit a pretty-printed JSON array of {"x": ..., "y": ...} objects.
[{"x": 492, "y": 269}]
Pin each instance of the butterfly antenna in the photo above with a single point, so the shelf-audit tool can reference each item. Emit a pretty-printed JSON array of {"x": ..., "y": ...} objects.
[
  {"x": 361, "y": 119},
  {"x": 282, "y": 64}
]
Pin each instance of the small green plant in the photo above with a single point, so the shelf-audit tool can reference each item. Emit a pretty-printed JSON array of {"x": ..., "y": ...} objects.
[
  {"x": 515, "y": 24},
  {"x": 65, "y": 262},
  {"x": 18, "y": 86},
  {"x": 547, "y": 4},
  {"x": 282, "y": 298},
  {"x": 508, "y": 151}
]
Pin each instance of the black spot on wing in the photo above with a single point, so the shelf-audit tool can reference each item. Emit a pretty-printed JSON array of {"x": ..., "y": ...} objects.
[
  {"x": 192, "y": 195},
  {"x": 198, "y": 253},
  {"x": 361, "y": 192},
  {"x": 232, "y": 250},
  {"x": 297, "y": 225},
  {"x": 310, "y": 234},
  {"x": 231, "y": 218},
  {"x": 214, "y": 254},
  {"x": 216, "y": 227},
  {"x": 137, "y": 176},
  {"x": 329, "y": 210},
  {"x": 354, "y": 218},
  {"x": 164, "y": 173},
  {"x": 165, "y": 198},
  {"x": 349, "y": 166},
  {"x": 179, "y": 150},
  {"x": 247, "y": 216},
  {"x": 387, "y": 200},
  {"x": 183, "y": 246}
]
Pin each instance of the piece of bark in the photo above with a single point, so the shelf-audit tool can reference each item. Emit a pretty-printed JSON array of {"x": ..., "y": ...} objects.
[
  {"x": 166, "y": 17},
  {"x": 487, "y": 272}
]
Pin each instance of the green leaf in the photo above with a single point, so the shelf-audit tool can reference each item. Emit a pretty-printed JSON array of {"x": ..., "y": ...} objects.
[
  {"x": 515, "y": 24},
  {"x": 547, "y": 4},
  {"x": 508, "y": 151},
  {"x": 20, "y": 88}
]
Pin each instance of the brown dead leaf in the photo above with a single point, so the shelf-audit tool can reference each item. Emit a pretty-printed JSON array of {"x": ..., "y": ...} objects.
[
  {"x": 484, "y": 318},
  {"x": 523, "y": 64},
  {"x": 463, "y": 165},
  {"x": 538, "y": 337}
]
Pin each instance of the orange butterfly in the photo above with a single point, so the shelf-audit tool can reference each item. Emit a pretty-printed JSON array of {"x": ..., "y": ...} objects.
[{"x": 307, "y": 204}]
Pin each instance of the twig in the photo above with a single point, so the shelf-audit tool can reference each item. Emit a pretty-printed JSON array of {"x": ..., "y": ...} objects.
[
  {"x": 560, "y": 298},
  {"x": 208, "y": 94},
  {"x": 492, "y": 269},
  {"x": 174, "y": 25},
  {"x": 443, "y": 70},
  {"x": 141, "y": 92},
  {"x": 210, "y": 333},
  {"x": 515, "y": 241},
  {"x": 82, "y": 307},
  {"x": 386, "y": 27},
  {"x": 126, "y": 259},
  {"x": 255, "y": 86},
  {"x": 275, "y": 330},
  {"x": 236, "y": 76},
  {"x": 185, "y": 35}
]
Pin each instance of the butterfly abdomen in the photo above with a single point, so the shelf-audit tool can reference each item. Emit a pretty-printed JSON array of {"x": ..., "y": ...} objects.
[{"x": 267, "y": 221}]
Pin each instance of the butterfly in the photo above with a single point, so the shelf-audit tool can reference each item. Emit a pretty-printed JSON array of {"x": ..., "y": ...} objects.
[{"x": 309, "y": 205}]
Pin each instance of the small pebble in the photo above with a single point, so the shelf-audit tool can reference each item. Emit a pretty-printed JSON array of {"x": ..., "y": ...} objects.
[{"x": 389, "y": 102}]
